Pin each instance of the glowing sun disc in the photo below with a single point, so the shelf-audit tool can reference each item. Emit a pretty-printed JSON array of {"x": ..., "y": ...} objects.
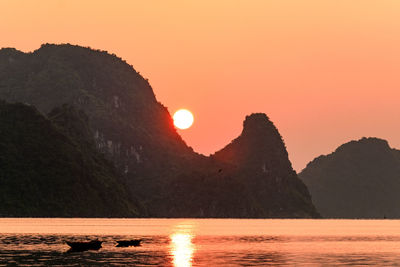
[{"x": 183, "y": 119}]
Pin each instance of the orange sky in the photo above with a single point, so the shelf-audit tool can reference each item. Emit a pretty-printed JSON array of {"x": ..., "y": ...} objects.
[{"x": 325, "y": 72}]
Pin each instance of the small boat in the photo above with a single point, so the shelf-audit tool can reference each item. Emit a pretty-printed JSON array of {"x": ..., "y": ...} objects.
[
  {"x": 84, "y": 246},
  {"x": 129, "y": 243}
]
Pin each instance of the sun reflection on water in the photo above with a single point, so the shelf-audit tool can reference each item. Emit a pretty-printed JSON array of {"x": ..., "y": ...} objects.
[{"x": 182, "y": 248}]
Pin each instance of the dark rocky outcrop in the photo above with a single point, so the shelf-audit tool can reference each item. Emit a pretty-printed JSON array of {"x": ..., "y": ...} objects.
[
  {"x": 46, "y": 171},
  {"x": 129, "y": 127},
  {"x": 262, "y": 161},
  {"x": 361, "y": 179}
]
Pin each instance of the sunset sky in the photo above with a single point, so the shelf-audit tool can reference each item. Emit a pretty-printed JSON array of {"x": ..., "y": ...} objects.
[{"x": 325, "y": 72}]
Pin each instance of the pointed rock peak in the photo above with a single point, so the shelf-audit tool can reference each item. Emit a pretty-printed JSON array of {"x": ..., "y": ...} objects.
[
  {"x": 260, "y": 142},
  {"x": 258, "y": 124},
  {"x": 255, "y": 120}
]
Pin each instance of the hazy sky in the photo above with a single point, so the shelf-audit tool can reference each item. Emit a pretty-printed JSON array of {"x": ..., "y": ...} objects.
[{"x": 325, "y": 72}]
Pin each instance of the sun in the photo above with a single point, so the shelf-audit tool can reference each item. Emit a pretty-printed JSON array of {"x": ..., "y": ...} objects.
[{"x": 183, "y": 119}]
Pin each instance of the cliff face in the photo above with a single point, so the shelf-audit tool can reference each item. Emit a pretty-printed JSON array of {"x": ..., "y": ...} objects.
[
  {"x": 129, "y": 126},
  {"x": 127, "y": 121},
  {"x": 45, "y": 171},
  {"x": 361, "y": 179},
  {"x": 262, "y": 161},
  {"x": 259, "y": 147},
  {"x": 136, "y": 133}
]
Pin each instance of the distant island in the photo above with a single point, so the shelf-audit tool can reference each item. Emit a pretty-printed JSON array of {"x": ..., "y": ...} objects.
[
  {"x": 360, "y": 179},
  {"x": 82, "y": 135}
]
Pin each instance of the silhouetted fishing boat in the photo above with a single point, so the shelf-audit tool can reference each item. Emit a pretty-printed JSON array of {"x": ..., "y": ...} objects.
[
  {"x": 129, "y": 243},
  {"x": 83, "y": 246}
]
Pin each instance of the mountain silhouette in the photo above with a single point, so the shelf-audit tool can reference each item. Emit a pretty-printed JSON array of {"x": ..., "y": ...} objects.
[
  {"x": 360, "y": 179},
  {"x": 126, "y": 123},
  {"x": 262, "y": 161},
  {"x": 46, "y": 172}
]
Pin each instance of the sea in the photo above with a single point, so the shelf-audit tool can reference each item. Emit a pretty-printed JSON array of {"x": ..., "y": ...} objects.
[{"x": 201, "y": 242}]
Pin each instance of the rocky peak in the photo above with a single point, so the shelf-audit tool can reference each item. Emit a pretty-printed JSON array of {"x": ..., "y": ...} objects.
[
  {"x": 261, "y": 157},
  {"x": 365, "y": 144},
  {"x": 260, "y": 145},
  {"x": 255, "y": 123},
  {"x": 360, "y": 179}
]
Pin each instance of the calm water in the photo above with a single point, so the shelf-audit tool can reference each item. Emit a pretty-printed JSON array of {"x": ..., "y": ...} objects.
[{"x": 206, "y": 242}]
